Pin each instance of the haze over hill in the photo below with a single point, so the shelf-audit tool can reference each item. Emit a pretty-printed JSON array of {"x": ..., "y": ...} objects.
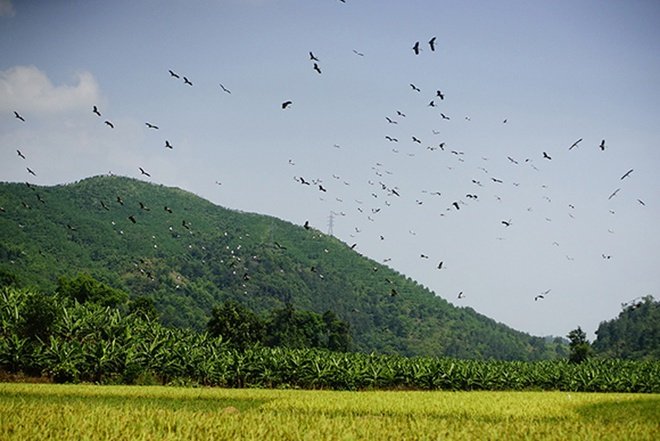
[{"x": 189, "y": 255}]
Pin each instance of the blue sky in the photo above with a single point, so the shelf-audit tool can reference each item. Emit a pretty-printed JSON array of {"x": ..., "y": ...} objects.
[{"x": 555, "y": 71}]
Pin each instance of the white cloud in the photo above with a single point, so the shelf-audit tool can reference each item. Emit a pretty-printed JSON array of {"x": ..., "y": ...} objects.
[
  {"x": 6, "y": 8},
  {"x": 30, "y": 90}
]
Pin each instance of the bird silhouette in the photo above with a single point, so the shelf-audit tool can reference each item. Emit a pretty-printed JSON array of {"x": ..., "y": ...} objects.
[
  {"x": 432, "y": 44},
  {"x": 144, "y": 207},
  {"x": 417, "y": 140},
  {"x": 359, "y": 54},
  {"x": 120, "y": 200},
  {"x": 393, "y": 292},
  {"x": 415, "y": 48},
  {"x": 455, "y": 204},
  {"x": 439, "y": 94},
  {"x": 185, "y": 225},
  {"x": 317, "y": 68},
  {"x": 144, "y": 172},
  {"x": 444, "y": 116},
  {"x": 30, "y": 171},
  {"x": 225, "y": 89},
  {"x": 286, "y": 104},
  {"x": 16, "y": 114},
  {"x": 626, "y": 174},
  {"x": 168, "y": 209},
  {"x": 641, "y": 202},
  {"x": 132, "y": 218},
  {"x": 174, "y": 74},
  {"x": 105, "y": 207},
  {"x": 602, "y": 145},
  {"x": 109, "y": 124},
  {"x": 575, "y": 144},
  {"x": 20, "y": 154},
  {"x": 613, "y": 194},
  {"x": 187, "y": 81},
  {"x": 96, "y": 111},
  {"x": 546, "y": 156},
  {"x": 460, "y": 295},
  {"x": 306, "y": 225},
  {"x": 312, "y": 57},
  {"x": 415, "y": 88},
  {"x": 168, "y": 145},
  {"x": 440, "y": 264},
  {"x": 151, "y": 126}
]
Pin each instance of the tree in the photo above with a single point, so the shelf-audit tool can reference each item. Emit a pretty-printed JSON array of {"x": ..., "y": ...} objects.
[
  {"x": 145, "y": 307},
  {"x": 338, "y": 332},
  {"x": 39, "y": 313},
  {"x": 238, "y": 325},
  {"x": 580, "y": 349},
  {"x": 84, "y": 288}
]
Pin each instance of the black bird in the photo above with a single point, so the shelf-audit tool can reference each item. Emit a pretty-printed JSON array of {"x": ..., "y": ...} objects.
[
  {"x": 144, "y": 207},
  {"x": 144, "y": 172},
  {"x": 20, "y": 154},
  {"x": 168, "y": 145},
  {"x": 286, "y": 104},
  {"x": 512, "y": 160},
  {"x": 168, "y": 209},
  {"x": 417, "y": 140},
  {"x": 455, "y": 204},
  {"x": 151, "y": 126},
  {"x": 440, "y": 265},
  {"x": 132, "y": 218},
  {"x": 109, "y": 124},
  {"x": 307, "y": 227},
  {"x": 613, "y": 194},
  {"x": 460, "y": 295},
  {"x": 174, "y": 74},
  {"x": 30, "y": 171},
  {"x": 71, "y": 227},
  {"x": 432, "y": 103},
  {"x": 398, "y": 112},
  {"x": 390, "y": 120},
  {"x": 602, "y": 145},
  {"x": 394, "y": 292},
  {"x": 317, "y": 68},
  {"x": 641, "y": 202},
  {"x": 187, "y": 81},
  {"x": 506, "y": 223},
  {"x": 105, "y": 207},
  {"x": 415, "y": 88},
  {"x": 119, "y": 199},
  {"x": 626, "y": 174},
  {"x": 499, "y": 181},
  {"x": 225, "y": 89},
  {"x": 389, "y": 138},
  {"x": 415, "y": 48},
  {"x": 546, "y": 156},
  {"x": 575, "y": 143},
  {"x": 359, "y": 54},
  {"x": 312, "y": 57},
  {"x": 440, "y": 95},
  {"x": 538, "y": 297},
  {"x": 432, "y": 43},
  {"x": 185, "y": 225},
  {"x": 321, "y": 188},
  {"x": 18, "y": 116},
  {"x": 444, "y": 116},
  {"x": 96, "y": 111}
]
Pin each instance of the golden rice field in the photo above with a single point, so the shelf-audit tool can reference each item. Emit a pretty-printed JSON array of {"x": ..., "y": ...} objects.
[{"x": 86, "y": 412}]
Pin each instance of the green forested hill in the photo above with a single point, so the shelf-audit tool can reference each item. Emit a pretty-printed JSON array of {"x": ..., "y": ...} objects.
[
  {"x": 188, "y": 255},
  {"x": 634, "y": 334}
]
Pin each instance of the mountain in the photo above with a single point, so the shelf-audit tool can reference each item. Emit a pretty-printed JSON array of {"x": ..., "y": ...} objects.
[
  {"x": 634, "y": 334},
  {"x": 188, "y": 255}
]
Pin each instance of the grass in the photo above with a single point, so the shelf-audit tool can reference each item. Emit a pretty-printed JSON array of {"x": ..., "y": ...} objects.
[{"x": 86, "y": 412}]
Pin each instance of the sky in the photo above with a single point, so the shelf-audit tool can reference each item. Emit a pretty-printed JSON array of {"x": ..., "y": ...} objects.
[{"x": 495, "y": 192}]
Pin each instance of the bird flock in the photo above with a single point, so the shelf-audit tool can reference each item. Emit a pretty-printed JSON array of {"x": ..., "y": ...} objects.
[{"x": 347, "y": 200}]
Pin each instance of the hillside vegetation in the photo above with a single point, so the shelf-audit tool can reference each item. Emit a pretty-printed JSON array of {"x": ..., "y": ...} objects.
[{"x": 189, "y": 255}]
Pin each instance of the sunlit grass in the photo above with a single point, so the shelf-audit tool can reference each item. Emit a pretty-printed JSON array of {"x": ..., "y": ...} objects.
[{"x": 85, "y": 412}]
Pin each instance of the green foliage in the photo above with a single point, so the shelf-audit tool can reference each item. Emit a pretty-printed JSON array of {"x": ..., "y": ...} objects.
[
  {"x": 580, "y": 349},
  {"x": 39, "y": 314},
  {"x": 84, "y": 288},
  {"x": 634, "y": 334},
  {"x": 143, "y": 306},
  {"x": 196, "y": 255},
  {"x": 239, "y": 326}
]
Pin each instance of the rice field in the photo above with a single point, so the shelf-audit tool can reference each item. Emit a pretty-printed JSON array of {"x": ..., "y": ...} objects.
[{"x": 88, "y": 412}]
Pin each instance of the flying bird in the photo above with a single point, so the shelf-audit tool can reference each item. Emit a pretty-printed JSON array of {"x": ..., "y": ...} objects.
[
  {"x": 168, "y": 209},
  {"x": 390, "y": 120},
  {"x": 225, "y": 89},
  {"x": 415, "y": 48},
  {"x": 415, "y": 88},
  {"x": 432, "y": 43},
  {"x": 575, "y": 143},
  {"x": 626, "y": 174},
  {"x": 187, "y": 81},
  {"x": 439, "y": 94},
  {"x": 440, "y": 265},
  {"x": 151, "y": 126},
  {"x": 30, "y": 171},
  {"x": 18, "y": 116},
  {"x": 602, "y": 145},
  {"x": 307, "y": 227},
  {"x": 109, "y": 124},
  {"x": 168, "y": 145},
  {"x": 455, "y": 204},
  {"x": 132, "y": 218},
  {"x": 144, "y": 207},
  {"x": 444, "y": 116},
  {"x": 317, "y": 68},
  {"x": 144, "y": 172},
  {"x": 359, "y": 54},
  {"x": 105, "y": 207},
  {"x": 613, "y": 194},
  {"x": 119, "y": 199},
  {"x": 286, "y": 104},
  {"x": 20, "y": 154},
  {"x": 546, "y": 156},
  {"x": 96, "y": 111},
  {"x": 461, "y": 295},
  {"x": 312, "y": 57},
  {"x": 174, "y": 74}
]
